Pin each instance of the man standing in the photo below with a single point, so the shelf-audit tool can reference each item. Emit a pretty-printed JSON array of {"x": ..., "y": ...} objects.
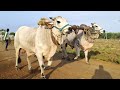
[{"x": 6, "y": 38}]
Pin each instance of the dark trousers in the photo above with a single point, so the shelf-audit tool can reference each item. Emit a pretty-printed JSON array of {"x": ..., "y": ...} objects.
[{"x": 6, "y": 44}]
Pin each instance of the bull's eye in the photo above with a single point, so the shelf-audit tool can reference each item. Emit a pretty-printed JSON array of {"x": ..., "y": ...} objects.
[{"x": 58, "y": 22}]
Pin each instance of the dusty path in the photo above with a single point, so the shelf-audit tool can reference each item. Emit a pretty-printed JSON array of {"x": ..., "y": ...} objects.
[{"x": 61, "y": 69}]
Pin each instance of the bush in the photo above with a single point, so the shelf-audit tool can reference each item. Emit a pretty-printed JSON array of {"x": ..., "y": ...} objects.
[
  {"x": 3, "y": 32},
  {"x": 12, "y": 33},
  {"x": 110, "y": 35}
]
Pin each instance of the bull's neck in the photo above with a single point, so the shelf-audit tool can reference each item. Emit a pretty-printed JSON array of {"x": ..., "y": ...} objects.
[
  {"x": 88, "y": 38},
  {"x": 53, "y": 37}
]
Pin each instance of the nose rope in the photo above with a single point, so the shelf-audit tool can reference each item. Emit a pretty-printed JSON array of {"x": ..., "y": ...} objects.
[{"x": 60, "y": 29}]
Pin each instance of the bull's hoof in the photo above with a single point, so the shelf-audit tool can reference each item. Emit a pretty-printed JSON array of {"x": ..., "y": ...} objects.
[
  {"x": 63, "y": 57},
  {"x": 31, "y": 71},
  {"x": 43, "y": 77},
  {"x": 76, "y": 58},
  {"x": 68, "y": 59},
  {"x": 72, "y": 47},
  {"x": 17, "y": 68},
  {"x": 88, "y": 63}
]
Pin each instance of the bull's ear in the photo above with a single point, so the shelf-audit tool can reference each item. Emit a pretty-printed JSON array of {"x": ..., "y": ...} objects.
[
  {"x": 52, "y": 18},
  {"x": 92, "y": 23}
]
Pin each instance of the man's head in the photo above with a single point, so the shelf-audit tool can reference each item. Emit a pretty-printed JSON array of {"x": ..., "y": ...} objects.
[{"x": 7, "y": 30}]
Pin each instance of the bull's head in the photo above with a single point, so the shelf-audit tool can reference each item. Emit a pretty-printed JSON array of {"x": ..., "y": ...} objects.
[
  {"x": 60, "y": 23},
  {"x": 60, "y": 26},
  {"x": 95, "y": 31},
  {"x": 97, "y": 27}
]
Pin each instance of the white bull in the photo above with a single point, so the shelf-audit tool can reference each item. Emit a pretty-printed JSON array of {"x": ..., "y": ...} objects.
[
  {"x": 81, "y": 40},
  {"x": 41, "y": 42}
]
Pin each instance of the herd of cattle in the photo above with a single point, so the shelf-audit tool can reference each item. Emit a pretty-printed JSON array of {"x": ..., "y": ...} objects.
[{"x": 44, "y": 40}]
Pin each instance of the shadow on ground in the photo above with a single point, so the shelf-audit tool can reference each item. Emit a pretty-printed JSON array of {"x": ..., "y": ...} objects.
[{"x": 101, "y": 73}]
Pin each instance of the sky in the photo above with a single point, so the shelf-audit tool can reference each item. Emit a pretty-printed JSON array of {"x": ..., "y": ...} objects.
[{"x": 108, "y": 20}]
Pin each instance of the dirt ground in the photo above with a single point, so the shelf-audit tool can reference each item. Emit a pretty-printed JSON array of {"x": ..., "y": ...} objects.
[{"x": 61, "y": 69}]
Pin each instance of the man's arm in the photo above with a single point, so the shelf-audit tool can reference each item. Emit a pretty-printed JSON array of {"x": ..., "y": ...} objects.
[{"x": 5, "y": 35}]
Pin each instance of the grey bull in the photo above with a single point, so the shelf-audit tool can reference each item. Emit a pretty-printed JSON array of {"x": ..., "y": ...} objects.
[{"x": 81, "y": 38}]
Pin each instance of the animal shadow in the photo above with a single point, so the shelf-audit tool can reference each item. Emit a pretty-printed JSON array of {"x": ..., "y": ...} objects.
[
  {"x": 93, "y": 53},
  {"x": 31, "y": 74},
  {"x": 27, "y": 65},
  {"x": 58, "y": 56},
  {"x": 82, "y": 55}
]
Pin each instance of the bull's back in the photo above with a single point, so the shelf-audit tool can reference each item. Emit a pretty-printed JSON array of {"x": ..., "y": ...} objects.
[{"x": 25, "y": 38}]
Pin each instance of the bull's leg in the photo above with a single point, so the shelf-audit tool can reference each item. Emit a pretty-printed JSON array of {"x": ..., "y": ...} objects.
[
  {"x": 86, "y": 56},
  {"x": 77, "y": 52},
  {"x": 49, "y": 58},
  {"x": 64, "y": 52},
  {"x": 18, "y": 59},
  {"x": 48, "y": 64},
  {"x": 41, "y": 63},
  {"x": 29, "y": 64}
]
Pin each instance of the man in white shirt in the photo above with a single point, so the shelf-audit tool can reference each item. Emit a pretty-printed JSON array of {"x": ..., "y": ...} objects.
[{"x": 6, "y": 38}]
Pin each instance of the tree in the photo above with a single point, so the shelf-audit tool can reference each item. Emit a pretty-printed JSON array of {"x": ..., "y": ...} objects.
[{"x": 12, "y": 33}]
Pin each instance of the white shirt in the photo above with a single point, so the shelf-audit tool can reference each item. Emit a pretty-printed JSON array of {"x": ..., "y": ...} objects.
[{"x": 6, "y": 37}]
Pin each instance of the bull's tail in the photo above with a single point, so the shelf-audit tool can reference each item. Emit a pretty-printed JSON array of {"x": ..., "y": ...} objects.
[
  {"x": 66, "y": 45},
  {"x": 19, "y": 59}
]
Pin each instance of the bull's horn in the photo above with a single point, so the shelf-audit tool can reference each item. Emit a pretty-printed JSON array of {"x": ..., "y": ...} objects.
[
  {"x": 50, "y": 17},
  {"x": 91, "y": 23}
]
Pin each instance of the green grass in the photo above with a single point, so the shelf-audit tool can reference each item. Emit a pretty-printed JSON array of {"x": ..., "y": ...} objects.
[{"x": 109, "y": 50}]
